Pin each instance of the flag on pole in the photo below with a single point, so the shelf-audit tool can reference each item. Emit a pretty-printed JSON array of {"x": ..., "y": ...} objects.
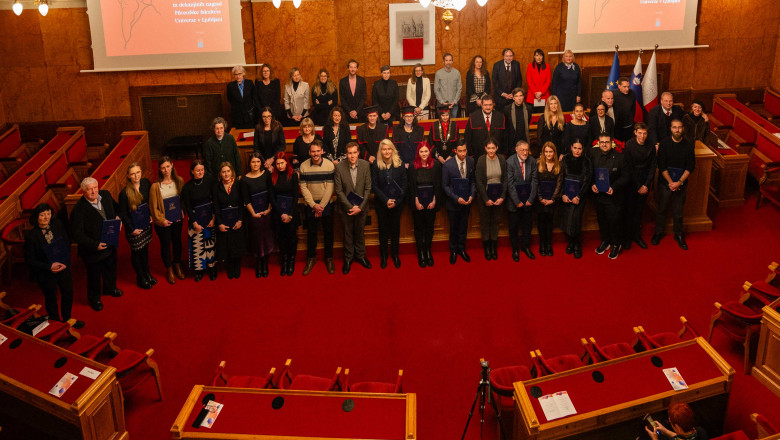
[
  {"x": 636, "y": 86},
  {"x": 650, "y": 85},
  {"x": 614, "y": 73}
]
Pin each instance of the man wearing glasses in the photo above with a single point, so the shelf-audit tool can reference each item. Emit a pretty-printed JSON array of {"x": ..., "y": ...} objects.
[
  {"x": 521, "y": 189},
  {"x": 610, "y": 176},
  {"x": 241, "y": 96}
]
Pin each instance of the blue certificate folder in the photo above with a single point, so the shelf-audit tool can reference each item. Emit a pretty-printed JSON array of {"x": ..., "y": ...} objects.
[
  {"x": 425, "y": 195},
  {"x": 394, "y": 191},
  {"x": 571, "y": 187},
  {"x": 110, "y": 233},
  {"x": 202, "y": 214},
  {"x": 284, "y": 203},
  {"x": 602, "y": 179},
  {"x": 230, "y": 216},
  {"x": 547, "y": 189},
  {"x": 355, "y": 199},
  {"x": 494, "y": 191},
  {"x": 675, "y": 173},
  {"x": 260, "y": 202},
  {"x": 141, "y": 217},
  {"x": 523, "y": 192},
  {"x": 461, "y": 188},
  {"x": 58, "y": 251},
  {"x": 172, "y": 209}
]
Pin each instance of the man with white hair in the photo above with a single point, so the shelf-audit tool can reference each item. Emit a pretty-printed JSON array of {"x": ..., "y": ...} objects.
[
  {"x": 241, "y": 96},
  {"x": 660, "y": 117},
  {"x": 86, "y": 220}
]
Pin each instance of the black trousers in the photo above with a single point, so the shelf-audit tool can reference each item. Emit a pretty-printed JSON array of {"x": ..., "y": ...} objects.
[
  {"x": 140, "y": 261},
  {"x": 64, "y": 281},
  {"x": 287, "y": 238},
  {"x": 389, "y": 227},
  {"x": 545, "y": 225},
  {"x": 101, "y": 276},
  {"x": 423, "y": 227},
  {"x": 522, "y": 221},
  {"x": 459, "y": 223},
  {"x": 170, "y": 243},
  {"x": 608, "y": 212},
  {"x": 634, "y": 209},
  {"x": 312, "y": 223},
  {"x": 669, "y": 199}
]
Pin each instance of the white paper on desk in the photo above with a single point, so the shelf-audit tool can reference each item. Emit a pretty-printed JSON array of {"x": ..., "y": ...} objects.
[
  {"x": 249, "y": 134},
  {"x": 90, "y": 373},
  {"x": 675, "y": 379},
  {"x": 722, "y": 145},
  {"x": 2, "y": 339},
  {"x": 557, "y": 405},
  {"x": 214, "y": 410},
  {"x": 40, "y": 327},
  {"x": 63, "y": 384},
  {"x": 539, "y": 102}
]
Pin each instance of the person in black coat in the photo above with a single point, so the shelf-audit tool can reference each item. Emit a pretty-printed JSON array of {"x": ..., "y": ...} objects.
[
  {"x": 370, "y": 134},
  {"x": 506, "y": 77},
  {"x": 231, "y": 240},
  {"x": 659, "y": 119},
  {"x": 600, "y": 123},
  {"x": 268, "y": 91},
  {"x": 384, "y": 93},
  {"x": 641, "y": 160},
  {"x": 567, "y": 82},
  {"x": 336, "y": 135},
  {"x": 324, "y": 96},
  {"x": 303, "y": 142},
  {"x": 241, "y": 96},
  {"x": 286, "y": 215},
  {"x": 577, "y": 130},
  {"x": 461, "y": 166},
  {"x": 353, "y": 103},
  {"x": 47, "y": 255},
  {"x": 609, "y": 204},
  {"x": 624, "y": 108},
  {"x": 131, "y": 198},
  {"x": 269, "y": 137},
  {"x": 443, "y": 137},
  {"x": 86, "y": 220},
  {"x": 407, "y": 135},
  {"x": 696, "y": 125},
  {"x": 477, "y": 84},
  {"x": 518, "y": 116},
  {"x": 389, "y": 183},
  {"x": 426, "y": 174},
  {"x": 478, "y": 130},
  {"x": 575, "y": 166}
]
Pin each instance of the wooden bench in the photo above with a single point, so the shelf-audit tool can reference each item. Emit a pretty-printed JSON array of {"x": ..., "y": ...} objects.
[
  {"x": 770, "y": 108},
  {"x": 14, "y": 151}
]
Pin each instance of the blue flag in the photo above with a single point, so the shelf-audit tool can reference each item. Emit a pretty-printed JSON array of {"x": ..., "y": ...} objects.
[{"x": 614, "y": 73}]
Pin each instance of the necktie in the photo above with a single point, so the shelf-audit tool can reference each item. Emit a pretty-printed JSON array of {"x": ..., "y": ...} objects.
[
  {"x": 463, "y": 169},
  {"x": 487, "y": 123},
  {"x": 508, "y": 77},
  {"x": 522, "y": 168},
  {"x": 668, "y": 113},
  {"x": 241, "y": 88}
]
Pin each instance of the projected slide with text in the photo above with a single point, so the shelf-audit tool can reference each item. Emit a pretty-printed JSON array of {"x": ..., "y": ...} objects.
[
  {"x": 147, "y": 27},
  {"x": 604, "y": 16}
]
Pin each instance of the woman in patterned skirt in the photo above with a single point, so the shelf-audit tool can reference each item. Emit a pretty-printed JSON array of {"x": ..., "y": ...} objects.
[
  {"x": 131, "y": 200},
  {"x": 196, "y": 193}
]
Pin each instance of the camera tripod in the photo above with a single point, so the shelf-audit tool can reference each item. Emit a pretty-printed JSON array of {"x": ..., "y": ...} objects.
[{"x": 484, "y": 395}]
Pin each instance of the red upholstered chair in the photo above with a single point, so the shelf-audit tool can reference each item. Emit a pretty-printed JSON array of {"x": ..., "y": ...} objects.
[
  {"x": 13, "y": 241},
  {"x": 57, "y": 330},
  {"x": 377, "y": 387},
  {"x": 736, "y": 435},
  {"x": 764, "y": 427},
  {"x": 133, "y": 368},
  {"x": 222, "y": 379},
  {"x": 598, "y": 353},
  {"x": 17, "y": 319},
  {"x": 739, "y": 322},
  {"x": 769, "y": 184},
  {"x": 649, "y": 342},
  {"x": 501, "y": 382},
  {"x": 557, "y": 364},
  {"x": 89, "y": 346},
  {"x": 308, "y": 382}
]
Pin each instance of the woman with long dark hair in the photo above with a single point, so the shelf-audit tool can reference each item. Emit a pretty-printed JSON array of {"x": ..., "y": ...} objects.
[
  {"x": 577, "y": 170},
  {"x": 325, "y": 96},
  {"x": 133, "y": 207},
  {"x": 163, "y": 193},
  {"x": 388, "y": 180},
  {"x": 418, "y": 92},
  {"x": 477, "y": 84},
  {"x": 261, "y": 238},
  {"x": 268, "y": 91},
  {"x": 336, "y": 135},
  {"x": 269, "y": 137},
  {"x": 443, "y": 138},
  {"x": 539, "y": 78},
  {"x": 576, "y": 130},
  {"x": 229, "y": 216},
  {"x": 197, "y": 196},
  {"x": 285, "y": 211},
  {"x": 490, "y": 175},
  {"x": 424, "y": 181},
  {"x": 549, "y": 186}
]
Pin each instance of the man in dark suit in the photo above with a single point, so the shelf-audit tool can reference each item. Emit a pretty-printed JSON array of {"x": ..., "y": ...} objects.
[
  {"x": 482, "y": 125},
  {"x": 352, "y": 91},
  {"x": 353, "y": 176},
  {"x": 384, "y": 93},
  {"x": 458, "y": 205},
  {"x": 506, "y": 77},
  {"x": 517, "y": 115},
  {"x": 521, "y": 170},
  {"x": 659, "y": 119},
  {"x": 241, "y": 96},
  {"x": 624, "y": 107},
  {"x": 370, "y": 134},
  {"x": 86, "y": 220},
  {"x": 609, "y": 203}
]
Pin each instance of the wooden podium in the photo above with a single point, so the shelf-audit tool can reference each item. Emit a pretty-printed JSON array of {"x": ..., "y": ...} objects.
[{"x": 767, "y": 368}]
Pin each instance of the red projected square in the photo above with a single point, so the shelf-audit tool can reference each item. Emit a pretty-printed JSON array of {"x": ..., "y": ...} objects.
[{"x": 413, "y": 48}]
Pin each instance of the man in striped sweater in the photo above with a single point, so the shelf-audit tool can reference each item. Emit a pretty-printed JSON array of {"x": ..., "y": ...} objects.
[{"x": 317, "y": 188}]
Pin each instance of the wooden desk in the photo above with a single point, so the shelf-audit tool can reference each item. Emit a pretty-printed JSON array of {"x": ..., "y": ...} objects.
[
  {"x": 248, "y": 414},
  {"x": 767, "y": 368},
  {"x": 729, "y": 171},
  {"x": 632, "y": 386},
  {"x": 89, "y": 410}
]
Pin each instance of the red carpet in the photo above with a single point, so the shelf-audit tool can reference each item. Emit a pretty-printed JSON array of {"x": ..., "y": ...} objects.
[{"x": 433, "y": 323}]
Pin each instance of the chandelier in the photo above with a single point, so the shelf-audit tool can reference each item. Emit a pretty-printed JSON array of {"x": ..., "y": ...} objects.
[{"x": 448, "y": 5}]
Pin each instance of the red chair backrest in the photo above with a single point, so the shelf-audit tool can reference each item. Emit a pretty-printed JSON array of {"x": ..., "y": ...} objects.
[
  {"x": 10, "y": 141},
  {"x": 771, "y": 102},
  {"x": 770, "y": 147},
  {"x": 33, "y": 193},
  {"x": 56, "y": 170},
  {"x": 744, "y": 130},
  {"x": 77, "y": 152},
  {"x": 722, "y": 114}
]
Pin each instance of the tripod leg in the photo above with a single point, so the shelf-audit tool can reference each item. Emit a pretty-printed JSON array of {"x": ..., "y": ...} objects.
[
  {"x": 481, "y": 393},
  {"x": 498, "y": 417},
  {"x": 471, "y": 413}
]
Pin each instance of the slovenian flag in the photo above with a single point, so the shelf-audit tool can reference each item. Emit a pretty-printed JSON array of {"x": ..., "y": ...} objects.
[
  {"x": 614, "y": 73},
  {"x": 636, "y": 86},
  {"x": 650, "y": 85}
]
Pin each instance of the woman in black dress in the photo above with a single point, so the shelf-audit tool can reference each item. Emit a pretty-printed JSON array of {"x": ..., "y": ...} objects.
[
  {"x": 268, "y": 91},
  {"x": 549, "y": 170},
  {"x": 575, "y": 166},
  {"x": 198, "y": 193},
  {"x": 324, "y": 96},
  {"x": 134, "y": 199},
  {"x": 477, "y": 84},
  {"x": 229, "y": 215},
  {"x": 425, "y": 174},
  {"x": 550, "y": 125},
  {"x": 601, "y": 123},
  {"x": 336, "y": 135},
  {"x": 567, "y": 81},
  {"x": 388, "y": 180},
  {"x": 303, "y": 142},
  {"x": 407, "y": 135},
  {"x": 47, "y": 255},
  {"x": 576, "y": 130},
  {"x": 269, "y": 137},
  {"x": 261, "y": 237},
  {"x": 443, "y": 138},
  {"x": 285, "y": 212}
]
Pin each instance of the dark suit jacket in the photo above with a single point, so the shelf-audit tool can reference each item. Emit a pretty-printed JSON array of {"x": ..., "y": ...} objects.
[
  {"x": 436, "y": 139},
  {"x": 380, "y": 183},
  {"x": 514, "y": 134},
  {"x": 277, "y": 144},
  {"x": 38, "y": 263},
  {"x": 500, "y": 84},
  {"x": 624, "y": 108},
  {"x": 242, "y": 109},
  {"x": 477, "y": 135},
  {"x": 450, "y": 171},
  {"x": 659, "y": 126},
  {"x": 343, "y": 183},
  {"x": 514, "y": 176},
  {"x": 387, "y": 101},
  {"x": 87, "y": 226},
  {"x": 349, "y": 101},
  {"x": 480, "y": 174},
  {"x": 594, "y": 129},
  {"x": 369, "y": 141}
]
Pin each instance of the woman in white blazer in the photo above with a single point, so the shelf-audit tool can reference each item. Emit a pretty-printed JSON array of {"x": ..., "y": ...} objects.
[
  {"x": 416, "y": 98},
  {"x": 296, "y": 98}
]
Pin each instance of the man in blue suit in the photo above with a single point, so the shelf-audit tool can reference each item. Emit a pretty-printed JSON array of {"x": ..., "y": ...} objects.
[
  {"x": 521, "y": 170},
  {"x": 459, "y": 204},
  {"x": 506, "y": 77}
]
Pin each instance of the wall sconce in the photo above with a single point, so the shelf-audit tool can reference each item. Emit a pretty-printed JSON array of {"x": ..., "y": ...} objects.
[{"x": 42, "y": 5}]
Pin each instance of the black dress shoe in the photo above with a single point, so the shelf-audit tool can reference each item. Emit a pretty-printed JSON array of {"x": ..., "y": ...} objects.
[
  {"x": 346, "y": 267},
  {"x": 578, "y": 251},
  {"x": 613, "y": 254},
  {"x": 603, "y": 247},
  {"x": 396, "y": 261},
  {"x": 465, "y": 256},
  {"x": 96, "y": 305},
  {"x": 641, "y": 243},
  {"x": 627, "y": 245},
  {"x": 656, "y": 239},
  {"x": 212, "y": 273},
  {"x": 549, "y": 250},
  {"x": 570, "y": 248},
  {"x": 143, "y": 283},
  {"x": 453, "y": 257},
  {"x": 486, "y": 248},
  {"x": 152, "y": 280},
  {"x": 516, "y": 255},
  {"x": 529, "y": 253},
  {"x": 79, "y": 324},
  {"x": 364, "y": 262},
  {"x": 330, "y": 265},
  {"x": 429, "y": 258},
  {"x": 681, "y": 242},
  {"x": 494, "y": 249},
  {"x": 542, "y": 250},
  {"x": 116, "y": 293},
  {"x": 198, "y": 276},
  {"x": 421, "y": 260},
  {"x": 383, "y": 261}
]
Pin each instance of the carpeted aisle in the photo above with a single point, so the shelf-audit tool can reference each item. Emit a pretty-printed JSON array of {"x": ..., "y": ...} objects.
[{"x": 433, "y": 323}]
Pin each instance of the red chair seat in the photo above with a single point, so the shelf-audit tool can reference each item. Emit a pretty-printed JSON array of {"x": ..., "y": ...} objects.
[
  {"x": 247, "y": 382},
  {"x": 502, "y": 380},
  {"x": 765, "y": 288},
  {"x": 617, "y": 350},
  {"x": 84, "y": 344},
  {"x": 373, "y": 387},
  {"x": 741, "y": 311},
  {"x": 736, "y": 435},
  {"x": 311, "y": 383},
  {"x": 564, "y": 362},
  {"x": 664, "y": 339},
  {"x": 125, "y": 360}
]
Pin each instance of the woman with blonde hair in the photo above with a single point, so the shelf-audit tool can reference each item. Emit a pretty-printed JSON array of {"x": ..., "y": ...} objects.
[
  {"x": 388, "y": 180},
  {"x": 296, "y": 98},
  {"x": 418, "y": 92},
  {"x": 303, "y": 142},
  {"x": 551, "y": 125},
  {"x": 567, "y": 81},
  {"x": 163, "y": 194},
  {"x": 325, "y": 96},
  {"x": 549, "y": 181},
  {"x": 134, "y": 205}
]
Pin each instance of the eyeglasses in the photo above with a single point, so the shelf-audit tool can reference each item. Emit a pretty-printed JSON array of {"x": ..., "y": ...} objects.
[{"x": 267, "y": 117}]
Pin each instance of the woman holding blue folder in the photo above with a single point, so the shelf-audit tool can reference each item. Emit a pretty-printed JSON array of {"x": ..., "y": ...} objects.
[
  {"x": 550, "y": 183},
  {"x": 229, "y": 215},
  {"x": 137, "y": 221},
  {"x": 388, "y": 180},
  {"x": 285, "y": 211},
  {"x": 425, "y": 193},
  {"x": 165, "y": 207},
  {"x": 491, "y": 190},
  {"x": 196, "y": 200},
  {"x": 577, "y": 172},
  {"x": 258, "y": 192}
]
